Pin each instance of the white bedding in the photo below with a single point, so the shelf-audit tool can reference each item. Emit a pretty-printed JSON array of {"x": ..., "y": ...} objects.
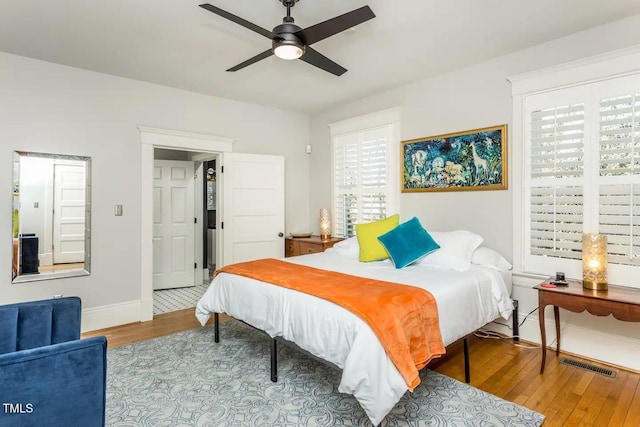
[{"x": 466, "y": 301}]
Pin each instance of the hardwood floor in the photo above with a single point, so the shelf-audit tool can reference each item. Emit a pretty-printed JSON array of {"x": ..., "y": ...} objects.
[
  {"x": 55, "y": 268},
  {"x": 566, "y": 395}
]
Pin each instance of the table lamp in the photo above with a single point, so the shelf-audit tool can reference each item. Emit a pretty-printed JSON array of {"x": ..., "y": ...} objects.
[
  {"x": 325, "y": 224},
  {"x": 594, "y": 261}
]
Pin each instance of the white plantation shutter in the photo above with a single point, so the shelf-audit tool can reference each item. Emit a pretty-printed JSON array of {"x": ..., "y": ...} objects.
[
  {"x": 557, "y": 142},
  {"x": 556, "y": 221},
  {"x": 619, "y": 176},
  {"x": 360, "y": 179},
  {"x": 555, "y": 178},
  {"x": 582, "y": 154},
  {"x": 619, "y": 218},
  {"x": 345, "y": 161},
  {"x": 363, "y": 169},
  {"x": 620, "y": 135}
]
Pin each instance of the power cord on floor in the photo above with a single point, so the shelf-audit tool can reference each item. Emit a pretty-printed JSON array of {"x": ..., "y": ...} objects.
[
  {"x": 488, "y": 334},
  {"x": 520, "y": 324}
]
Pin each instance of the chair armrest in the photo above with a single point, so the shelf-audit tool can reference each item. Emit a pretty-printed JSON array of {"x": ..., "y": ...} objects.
[{"x": 57, "y": 385}]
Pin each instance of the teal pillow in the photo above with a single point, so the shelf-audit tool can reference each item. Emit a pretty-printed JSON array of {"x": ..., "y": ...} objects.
[{"x": 408, "y": 242}]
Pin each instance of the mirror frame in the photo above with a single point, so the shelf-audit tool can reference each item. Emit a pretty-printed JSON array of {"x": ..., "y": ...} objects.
[{"x": 86, "y": 271}]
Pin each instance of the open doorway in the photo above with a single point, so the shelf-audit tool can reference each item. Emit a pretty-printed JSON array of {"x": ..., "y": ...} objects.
[
  {"x": 210, "y": 211},
  {"x": 250, "y": 202},
  {"x": 198, "y": 148},
  {"x": 183, "y": 227}
]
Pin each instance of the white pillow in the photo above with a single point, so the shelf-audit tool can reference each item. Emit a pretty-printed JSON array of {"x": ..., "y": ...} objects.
[
  {"x": 490, "y": 258},
  {"x": 348, "y": 248},
  {"x": 456, "y": 249}
]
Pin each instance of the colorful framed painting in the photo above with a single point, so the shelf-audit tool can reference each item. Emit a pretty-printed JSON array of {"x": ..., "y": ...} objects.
[{"x": 461, "y": 161}]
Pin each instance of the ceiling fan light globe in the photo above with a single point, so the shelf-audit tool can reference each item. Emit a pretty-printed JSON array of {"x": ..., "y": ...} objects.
[{"x": 288, "y": 51}]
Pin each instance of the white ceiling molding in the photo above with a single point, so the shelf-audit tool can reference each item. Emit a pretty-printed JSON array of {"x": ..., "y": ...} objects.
[
  {"x": 612, "y": 64},
  {"x": 178, "y": 140},
  {"x": 356, "y": 124}
]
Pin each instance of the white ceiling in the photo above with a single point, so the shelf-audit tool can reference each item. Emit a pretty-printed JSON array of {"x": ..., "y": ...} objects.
[{"x": 176, "y": 43}]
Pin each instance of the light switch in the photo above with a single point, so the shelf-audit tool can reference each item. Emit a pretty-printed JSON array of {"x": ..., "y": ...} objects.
[
  {"x": 118, "y": 210},
  {"x": 308, "y": 148},
  {"x": 36, "y": 204}
]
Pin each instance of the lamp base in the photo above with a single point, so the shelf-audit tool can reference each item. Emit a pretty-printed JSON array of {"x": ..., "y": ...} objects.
[
  {"x": 325, "y": 236},
  {"x": 597, "y": 286}
]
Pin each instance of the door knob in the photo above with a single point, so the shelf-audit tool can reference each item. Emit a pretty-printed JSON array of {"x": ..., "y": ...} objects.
[{"x": 280, "y": 234}]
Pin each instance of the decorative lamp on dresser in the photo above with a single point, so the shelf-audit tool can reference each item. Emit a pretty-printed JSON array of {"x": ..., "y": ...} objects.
[{"x": 294, "y": 246}]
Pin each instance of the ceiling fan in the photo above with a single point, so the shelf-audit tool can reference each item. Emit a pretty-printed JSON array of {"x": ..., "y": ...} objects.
[{"x": 289, "y": 41}]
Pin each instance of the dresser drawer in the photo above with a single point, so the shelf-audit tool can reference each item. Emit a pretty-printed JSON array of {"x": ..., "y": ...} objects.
[
  {"x": 310, "y": 248},
  {"x": 307, "y": 245},
  {"x": 291, "y": 248}
]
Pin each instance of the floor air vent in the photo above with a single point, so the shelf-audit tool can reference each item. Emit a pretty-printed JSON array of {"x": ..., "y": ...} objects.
[{"x": 589, "y": 367}]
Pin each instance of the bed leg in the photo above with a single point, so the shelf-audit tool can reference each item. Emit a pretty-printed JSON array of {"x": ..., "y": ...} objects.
[
  {"x": 216, "y": 327},
  {"x": 467, "y": 375},
  {"x": 516, "y": 325},
  {"x": 274, "y": 361}
]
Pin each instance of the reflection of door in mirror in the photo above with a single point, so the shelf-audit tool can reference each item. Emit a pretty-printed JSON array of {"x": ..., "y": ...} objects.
[
  {"x": 68, "y": 213},
  {"x": 51, "y": 216}
]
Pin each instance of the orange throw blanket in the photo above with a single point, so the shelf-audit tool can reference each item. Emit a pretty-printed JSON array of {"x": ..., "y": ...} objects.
[{"x": 404, "y": 318}]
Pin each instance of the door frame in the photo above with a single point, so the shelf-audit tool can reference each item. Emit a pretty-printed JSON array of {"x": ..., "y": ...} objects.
[{"x": 151, "y": 138}]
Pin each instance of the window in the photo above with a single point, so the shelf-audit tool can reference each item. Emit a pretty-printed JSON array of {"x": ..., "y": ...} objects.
[
  {"x": 365, "y": 170},
  {"x": 582, "y": 174}
]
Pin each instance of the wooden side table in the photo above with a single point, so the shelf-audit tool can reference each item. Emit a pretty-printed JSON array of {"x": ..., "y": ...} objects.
[
  {"x": 622, "y": 302},
  {"x": 308, "y": 245}
]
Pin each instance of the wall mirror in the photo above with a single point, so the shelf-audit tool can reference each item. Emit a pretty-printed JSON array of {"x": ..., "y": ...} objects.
[{"x": 51, "y": 216}]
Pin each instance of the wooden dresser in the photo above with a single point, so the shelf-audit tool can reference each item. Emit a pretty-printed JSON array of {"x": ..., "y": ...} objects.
[{"x": 294, "y": 246}]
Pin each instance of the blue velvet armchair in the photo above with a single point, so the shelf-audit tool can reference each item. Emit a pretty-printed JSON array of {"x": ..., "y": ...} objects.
[{"x": 48, "y": 375}]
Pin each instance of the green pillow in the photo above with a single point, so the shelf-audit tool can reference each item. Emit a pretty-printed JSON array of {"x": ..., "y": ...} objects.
[
  {"x": 370, "y": 247},
  {"x": 16, "y": 226}
]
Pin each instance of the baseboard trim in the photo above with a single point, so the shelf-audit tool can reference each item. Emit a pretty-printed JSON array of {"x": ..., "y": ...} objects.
[{"x": 106, "y": 316}]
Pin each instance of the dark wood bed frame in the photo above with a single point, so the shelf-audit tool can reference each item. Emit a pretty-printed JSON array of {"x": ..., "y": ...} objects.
[{"x": 275, "y": 340}]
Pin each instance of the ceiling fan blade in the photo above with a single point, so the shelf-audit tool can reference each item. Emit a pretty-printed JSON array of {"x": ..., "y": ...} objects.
[
  {"x": 231, "y": 17},
  {"x": 258, "y": 57},
  {"x": 313, "y": 57},
  {"x": 321, "y": 31}
]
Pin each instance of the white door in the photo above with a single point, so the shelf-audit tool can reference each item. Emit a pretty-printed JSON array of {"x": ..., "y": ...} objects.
[
  {"x": 173, "y": 224},
  {"x": 68, "y": 213},
  {"x": 252, "y": 223}
]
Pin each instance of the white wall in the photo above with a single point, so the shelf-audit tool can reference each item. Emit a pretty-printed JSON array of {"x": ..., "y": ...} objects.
[
  {"x": 51, "y": 108},
  {"x": 36, "y": 189},
  {"x": 470, "y": 98}
]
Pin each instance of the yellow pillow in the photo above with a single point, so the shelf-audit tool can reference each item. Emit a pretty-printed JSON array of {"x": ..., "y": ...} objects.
[{"x": 370, "y": 247}]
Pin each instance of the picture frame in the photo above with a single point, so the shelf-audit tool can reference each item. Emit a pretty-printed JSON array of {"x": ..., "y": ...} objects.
[{"x": 462, "y": 161}]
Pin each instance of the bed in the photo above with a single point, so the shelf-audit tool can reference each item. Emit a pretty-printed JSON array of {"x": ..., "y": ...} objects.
[{"x": 467, "y": 299}]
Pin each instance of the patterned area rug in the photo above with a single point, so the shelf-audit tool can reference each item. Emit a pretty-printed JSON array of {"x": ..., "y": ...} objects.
[{"x": 186, "y": 379}]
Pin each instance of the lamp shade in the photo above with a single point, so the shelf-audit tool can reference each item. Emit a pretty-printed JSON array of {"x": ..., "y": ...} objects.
[
  {"x": 325, "y": 224},
  {"x": 594, "y": 261}
]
